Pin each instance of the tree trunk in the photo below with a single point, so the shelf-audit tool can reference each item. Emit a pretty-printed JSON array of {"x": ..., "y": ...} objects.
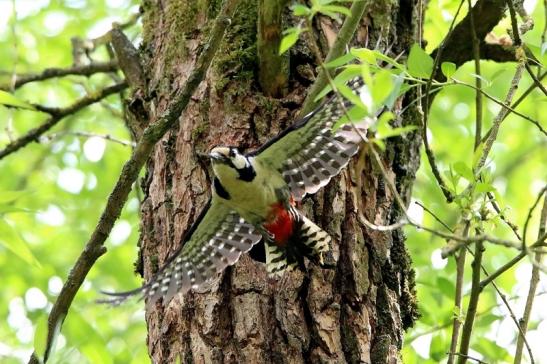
[{"x": 356, "y": 312}]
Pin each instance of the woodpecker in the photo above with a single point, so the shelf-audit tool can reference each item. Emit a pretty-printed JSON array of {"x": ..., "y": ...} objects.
[{"x": 254, "y": 198}]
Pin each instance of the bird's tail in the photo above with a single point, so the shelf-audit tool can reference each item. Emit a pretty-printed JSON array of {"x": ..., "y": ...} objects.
[{"x": 307, "y": 240}]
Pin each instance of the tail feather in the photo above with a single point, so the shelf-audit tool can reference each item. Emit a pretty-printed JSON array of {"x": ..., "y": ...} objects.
[{"x": 308, "y": 240}]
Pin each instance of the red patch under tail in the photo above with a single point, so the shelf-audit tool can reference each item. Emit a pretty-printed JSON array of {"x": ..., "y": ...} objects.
[{"x": 280, "y": 224}]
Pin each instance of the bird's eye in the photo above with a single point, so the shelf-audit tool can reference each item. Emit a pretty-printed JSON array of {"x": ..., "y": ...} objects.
[{"x": 232, "y": 153}]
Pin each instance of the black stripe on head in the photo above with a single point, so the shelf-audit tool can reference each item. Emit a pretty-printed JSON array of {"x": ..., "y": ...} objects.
[
  {"x": 247, "y": 173},
  {"x": 220, "y": 190}
]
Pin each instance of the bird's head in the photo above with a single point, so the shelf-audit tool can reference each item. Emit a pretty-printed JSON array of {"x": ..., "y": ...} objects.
[{"x": 229, "y": 162}]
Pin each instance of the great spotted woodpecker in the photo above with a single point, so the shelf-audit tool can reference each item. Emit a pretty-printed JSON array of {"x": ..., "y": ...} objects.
[{"x": 254, "y": 198}]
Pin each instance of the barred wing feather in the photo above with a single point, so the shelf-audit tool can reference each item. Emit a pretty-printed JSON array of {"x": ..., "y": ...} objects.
[
  {"x": 216, "y": 240},
  {"x": 309, "y": 153}
]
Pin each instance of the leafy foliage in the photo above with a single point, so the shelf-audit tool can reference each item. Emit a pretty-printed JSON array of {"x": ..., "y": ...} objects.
[
  {"x": 54, "y": 189},
  {"x": 51, "y": 192}
]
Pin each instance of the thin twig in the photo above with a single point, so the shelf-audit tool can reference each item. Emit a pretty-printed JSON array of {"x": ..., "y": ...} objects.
[
  {"x": 501, "y": 116},
  {"x": 534, "y": 280},
  {"x": 530, "y": 212},
  {"x": 509, "y": 309},
  {"x": 363, "y": 220},
  {"x": 465, "y": 357},
  {"x": 425, "y": 114},
  {"x": 478, "y": 80},
  {"x": 494, "y": 203},
  {"x": 458, "y": 296},
  {"x": 84, "y": 134},
  {"x": 461, "y": 241},
  {"x": 94, "y": 248},
  {"x": 467, "y": 328},
  {"x": 504, "y": 268},
  {"x": 57, "y": 114},
  {"x": 507, "y": 108},
  {"x": 537, "y": 82},
  {"x": 48, "y": 73},
  {"x": 445, "y": 225}
]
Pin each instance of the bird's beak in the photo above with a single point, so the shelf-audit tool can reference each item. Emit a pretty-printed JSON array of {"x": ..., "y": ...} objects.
[{"x": 216, "y": 156}]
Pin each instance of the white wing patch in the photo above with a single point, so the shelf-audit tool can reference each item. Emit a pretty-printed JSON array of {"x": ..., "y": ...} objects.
[
  {"x": 198, "y": 263},
  {"x": 325, "y": 153}
]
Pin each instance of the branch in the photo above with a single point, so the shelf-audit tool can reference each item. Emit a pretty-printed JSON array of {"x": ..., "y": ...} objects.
[
  {"x": 458, "y": 296},
  {"x": 534, "y": 280},
  {"x": 473, "y": 303},
  {"x": 86, "y": 70},
  {"x": 489, "y": 142},
  {"x": 342, "y": 40},
  {"x": 94, "y": 248},
  {"x": 57, "y": 114},
  {"x": 84, "y": 134},
  {"x": 457, "y": 47},
  {"x": 424, "y": 113},
  {"x": 273, "y": 68}
]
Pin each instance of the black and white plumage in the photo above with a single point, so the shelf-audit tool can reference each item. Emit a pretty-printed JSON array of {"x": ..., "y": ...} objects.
[{"x": 254, "y": 198}]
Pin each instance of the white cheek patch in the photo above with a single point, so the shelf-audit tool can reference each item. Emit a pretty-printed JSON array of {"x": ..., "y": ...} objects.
[{"x": 239, "y": 161}]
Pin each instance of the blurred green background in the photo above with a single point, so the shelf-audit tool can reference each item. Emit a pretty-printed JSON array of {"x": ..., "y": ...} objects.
[{"x": 63, "y": 183}]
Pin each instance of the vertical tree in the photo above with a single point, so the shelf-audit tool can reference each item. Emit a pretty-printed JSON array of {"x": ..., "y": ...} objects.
[{"x": 356, "y": 312}]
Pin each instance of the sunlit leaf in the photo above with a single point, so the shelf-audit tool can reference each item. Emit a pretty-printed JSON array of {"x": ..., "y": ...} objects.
[
  {"x": 383, "y": 86},
  {"x": 463, "y": 170},
  {"x": 290, "y": 38},
  {"x": 336, "y": 9},
  {"x": 9, "y": 100},
  {"x": 448, "y": 69},
  {"x": 387, "y": 132},
  {"x": 40, "y": 336},
  {"x": 300, "y": 10},
  {"x": 420, "y": 64},
  {"x": 340, "y": 61},
  {"x": 10, "y": 196},
  {"x": 13, "y": 241}
]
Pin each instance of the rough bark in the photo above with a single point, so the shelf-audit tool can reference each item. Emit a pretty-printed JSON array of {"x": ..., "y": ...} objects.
[{"x": 356, "y": 312}]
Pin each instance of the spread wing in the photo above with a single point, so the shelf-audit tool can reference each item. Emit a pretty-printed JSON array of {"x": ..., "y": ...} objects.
[
  {"x": 309, "y": 153},
  {"x": 216, "y": 240}
]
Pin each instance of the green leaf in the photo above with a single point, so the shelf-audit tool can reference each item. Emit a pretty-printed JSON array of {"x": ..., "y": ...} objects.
[
  {"x": 482, "y": 187},
  {"x": 397, "y": 91},
  {"x": 11, "y": 240},
  {"x": 336, "y": 9},
  {"x": 349, "y": 95},
  {"x": 486, "y": 81},
  {"x": 386, "y": 132},
  {"x": 300, "y": 10},
  {"x": 340, "y": 61},
  {"x": 290, "y": 38},
  {"x": 349, "y": 72},
  {"x": 40, "y": 336},
  {"x": 448, "y": 69},
  {"x": 364, "y": 54},
  {"x": 383, "y": 86},
  {"x": 463, "y": 170},
  {"x": 356, "y": 113},
  {"x": 372, "y": 56},
  {"x": 10, "y": 196},
  {"x": 9, "y": 100},
  {"x": 380, "y": 144},
  {"x": 420, "y": 64},
  {"x": 446, "y": 286}
]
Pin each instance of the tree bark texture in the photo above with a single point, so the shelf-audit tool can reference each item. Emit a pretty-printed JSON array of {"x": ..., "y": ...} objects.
[{"x": 354, "y": 313}]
